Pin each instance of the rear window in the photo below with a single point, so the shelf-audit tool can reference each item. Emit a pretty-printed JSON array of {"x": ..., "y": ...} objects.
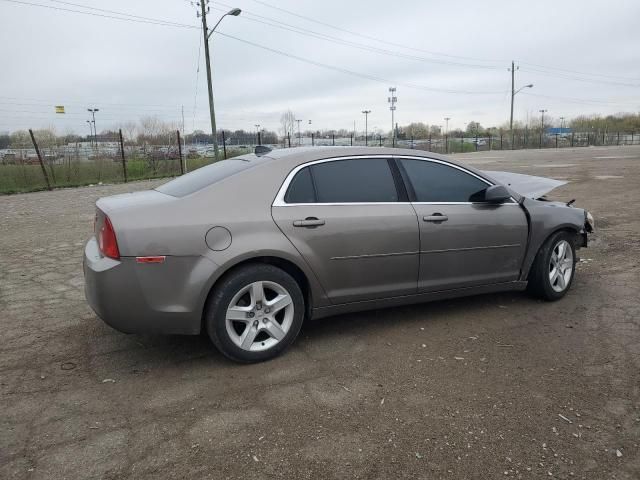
[{"x": 203, "y": 177}]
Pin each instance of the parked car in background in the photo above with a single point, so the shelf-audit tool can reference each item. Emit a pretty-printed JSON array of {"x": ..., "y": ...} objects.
[{"x": 247, "y": 249}]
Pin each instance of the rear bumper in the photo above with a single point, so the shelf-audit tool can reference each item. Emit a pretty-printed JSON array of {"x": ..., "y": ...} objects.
[{"x": 163, "y": 298}]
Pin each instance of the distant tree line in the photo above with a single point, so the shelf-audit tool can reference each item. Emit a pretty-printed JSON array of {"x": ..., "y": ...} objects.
[{"x": 152, "y": 131}]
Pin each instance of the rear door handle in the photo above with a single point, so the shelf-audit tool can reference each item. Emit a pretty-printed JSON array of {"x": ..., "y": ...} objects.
[
  {"x": 308, "y": 222},
  {"x": 436, "y": 218}
]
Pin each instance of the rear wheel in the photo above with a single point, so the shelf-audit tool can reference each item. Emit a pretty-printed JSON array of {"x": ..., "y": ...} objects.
[
  {"x": 255, "y": 313},
  {"x": 554, "y": 267}
]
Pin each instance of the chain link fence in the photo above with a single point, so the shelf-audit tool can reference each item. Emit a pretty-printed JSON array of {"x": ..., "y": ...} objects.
[{"x": 41, "y": 163}]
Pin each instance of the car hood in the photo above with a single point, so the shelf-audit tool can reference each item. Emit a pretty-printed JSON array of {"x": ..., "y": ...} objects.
[{"x": 528, "y": 186}]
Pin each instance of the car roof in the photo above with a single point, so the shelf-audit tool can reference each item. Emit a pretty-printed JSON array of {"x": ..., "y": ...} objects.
[{"x": 300, "y": 155}]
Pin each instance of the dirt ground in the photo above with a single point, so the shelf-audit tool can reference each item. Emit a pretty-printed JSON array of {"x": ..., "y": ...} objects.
[{"x": 494, "y": 386}]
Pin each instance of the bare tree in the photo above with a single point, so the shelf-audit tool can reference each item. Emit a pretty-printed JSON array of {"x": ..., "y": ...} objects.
[{"x": 287, "y": 122}]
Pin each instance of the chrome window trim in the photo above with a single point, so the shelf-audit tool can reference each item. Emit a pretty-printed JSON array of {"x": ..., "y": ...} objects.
[
  {"x": 279, "y": 200},
  {"x": 512, "y": 201},
  {"x": 428, "y": 159}
]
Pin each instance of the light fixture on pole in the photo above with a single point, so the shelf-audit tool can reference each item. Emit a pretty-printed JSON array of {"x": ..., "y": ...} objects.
[
  {"x": 392, "y": 99},
  {"x": 366, "y": 119},
  {"x": 95, "y": 132},
  {"x": 204, "y": 10}
]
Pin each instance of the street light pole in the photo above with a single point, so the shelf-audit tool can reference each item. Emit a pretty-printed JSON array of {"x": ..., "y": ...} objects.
[
  {"x": 513, "y": 94},
  {"x": 299, "y": 137},
  {"x": 90, "y": 133},
  {"x": 366, "y": 125},
  {"x": 95, "y": 132},
  {"x": 206, "y": 34},
  {"x": 392, "y": 106},
  {"x": 542, "y": 126},
  {"x": 446, "y": 130}
]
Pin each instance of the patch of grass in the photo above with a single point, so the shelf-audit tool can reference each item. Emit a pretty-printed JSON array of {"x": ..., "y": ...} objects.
[{"x": 29, "y": 178}]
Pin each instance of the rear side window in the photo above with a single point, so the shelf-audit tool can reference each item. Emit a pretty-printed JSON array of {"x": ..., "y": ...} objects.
[
  {"x": 356, "y": 180},
  {"x": 436, "y": 182},
  {"x": 203, "y": 177},
  {"x": 301, "y": 188}
]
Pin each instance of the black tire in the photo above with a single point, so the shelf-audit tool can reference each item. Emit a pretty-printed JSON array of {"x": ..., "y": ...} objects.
[
  {"x": 233, "y": 284},
  {"x": 540, "y": 284}
]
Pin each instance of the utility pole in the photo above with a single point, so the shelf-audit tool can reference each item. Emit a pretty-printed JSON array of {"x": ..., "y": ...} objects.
[
  {"x": 95, "y": 131},
  {"x": 446, "y": 130},
  {"x": 392, "y": 99},
  {"x": 184, "y": 139},
  {"x": 299, "y": 137},
  {"x": 204, "y": 10},
  {"x": 366, "y": 125},
  {"x": 513, "y": 94},
  {"x": 542, "y": 126},
  {"x": 205, "y": 33},
  {"x": 257, "y": 125},
  {"x": 561, "y": 123}
]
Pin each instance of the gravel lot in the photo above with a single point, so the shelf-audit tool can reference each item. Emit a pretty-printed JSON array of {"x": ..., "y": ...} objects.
[{"x": 495, "y": 386}]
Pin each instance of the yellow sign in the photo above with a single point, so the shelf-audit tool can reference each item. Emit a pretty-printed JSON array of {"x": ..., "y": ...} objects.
[{"x": 59, "y": 108}]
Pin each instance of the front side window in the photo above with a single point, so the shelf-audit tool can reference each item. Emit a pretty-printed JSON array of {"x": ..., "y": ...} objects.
[
  {"x": 367, "y": 180},
  {"x": 436, "y": 182}
]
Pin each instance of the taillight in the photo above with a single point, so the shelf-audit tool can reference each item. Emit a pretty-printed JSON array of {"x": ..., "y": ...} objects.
[{"x": 107, "y": 240}]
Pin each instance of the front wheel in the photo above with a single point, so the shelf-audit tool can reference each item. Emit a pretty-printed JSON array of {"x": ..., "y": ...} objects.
[
  {"x": 255, "y": 313},
  {"x": 553, "y": 269}
]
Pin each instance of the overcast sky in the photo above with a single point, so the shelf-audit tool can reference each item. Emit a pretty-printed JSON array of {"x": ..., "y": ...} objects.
[{"x": 447, "y": 59}]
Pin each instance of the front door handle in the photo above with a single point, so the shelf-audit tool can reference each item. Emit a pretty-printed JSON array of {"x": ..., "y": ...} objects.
[
  {"x": 436, "y": 218},
  {"x": 308, "y": 222}
]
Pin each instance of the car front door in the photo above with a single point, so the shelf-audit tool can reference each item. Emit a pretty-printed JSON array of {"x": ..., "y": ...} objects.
[
  {"x": 351, "y": 221},
  {"x": 464, "y": 242}
]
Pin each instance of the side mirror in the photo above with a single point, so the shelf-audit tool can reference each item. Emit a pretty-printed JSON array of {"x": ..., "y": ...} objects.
[{"x": 496, "y": 194}]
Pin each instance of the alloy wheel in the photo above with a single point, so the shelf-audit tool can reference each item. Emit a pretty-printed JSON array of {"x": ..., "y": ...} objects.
[
  {"x": 259, "y": 316},
  {"x": 561, "y": 266}
]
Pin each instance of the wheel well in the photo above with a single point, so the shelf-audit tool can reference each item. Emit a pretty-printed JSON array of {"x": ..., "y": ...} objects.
[
  {"x": 289, "y": 267},
  {"x": 565, "y": 228}
]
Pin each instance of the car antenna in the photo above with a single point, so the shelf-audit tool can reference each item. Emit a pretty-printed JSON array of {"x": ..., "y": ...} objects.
[{"x": 261, "y": 150}]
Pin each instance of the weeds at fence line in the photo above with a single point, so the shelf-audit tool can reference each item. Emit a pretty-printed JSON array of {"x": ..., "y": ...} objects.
[{"x": 39, "y": 166}]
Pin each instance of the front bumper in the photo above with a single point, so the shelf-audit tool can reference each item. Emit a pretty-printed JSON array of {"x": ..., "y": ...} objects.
[{"x": 163, "y": 298}]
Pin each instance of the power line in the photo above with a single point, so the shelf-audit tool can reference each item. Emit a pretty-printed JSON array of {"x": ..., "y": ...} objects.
[
  {"x": 582, "y": 73},
  {"x": 273, "y": 50},
  {"x": 118, "y": 13},
  {"x": 583, "y": 101},
  {"x": 369, "y": 37},
  {"x": 322, "y": 36},
  {"x": 566, "y": 76},
  {"x": 358, "y": 74},
  {"x": 122, "y": 17}
]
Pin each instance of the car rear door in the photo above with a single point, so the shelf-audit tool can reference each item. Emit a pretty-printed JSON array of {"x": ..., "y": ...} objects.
[
  {"x": 351, "y": 221},
  {"x": 464, "y": 242}
]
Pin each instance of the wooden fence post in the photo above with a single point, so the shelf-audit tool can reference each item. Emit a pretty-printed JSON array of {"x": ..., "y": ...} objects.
[
  {"x": 44, "y": 171},
  {"x": 180, "y": 152},
  {"x": 224, "y": 145},
  {"x": 124, "y": 163}
]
